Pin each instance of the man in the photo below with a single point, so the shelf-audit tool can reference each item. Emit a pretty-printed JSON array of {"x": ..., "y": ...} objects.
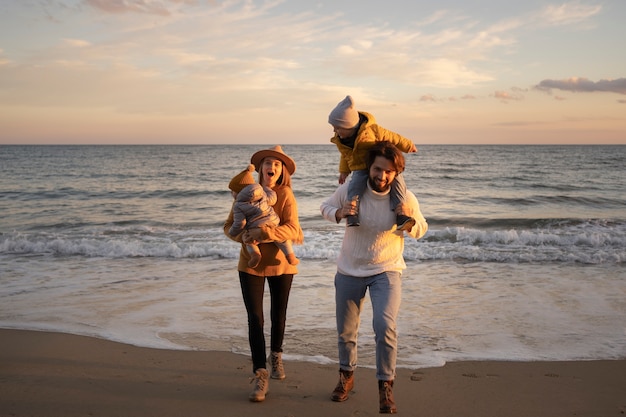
[{"x": 371, "y": 258}]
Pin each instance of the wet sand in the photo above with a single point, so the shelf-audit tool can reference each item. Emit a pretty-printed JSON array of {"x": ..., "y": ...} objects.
[{"x": 53, "y": 374}]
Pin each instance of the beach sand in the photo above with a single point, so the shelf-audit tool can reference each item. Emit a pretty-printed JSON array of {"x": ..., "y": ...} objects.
[{"x": 53, "y": 374}]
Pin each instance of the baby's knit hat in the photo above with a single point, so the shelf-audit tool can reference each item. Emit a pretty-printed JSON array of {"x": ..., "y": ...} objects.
[
  {"x": 344, "y": 116},
  {"x": 243, "y": 179}
]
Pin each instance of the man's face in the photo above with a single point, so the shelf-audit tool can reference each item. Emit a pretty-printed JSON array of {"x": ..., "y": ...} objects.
[{"x": 382, "y": 173}]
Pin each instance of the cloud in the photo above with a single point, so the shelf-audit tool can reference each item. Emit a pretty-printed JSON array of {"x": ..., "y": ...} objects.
[
  {"x": 584, "y": 85},
  {"x": 431, "y": 98},
  {"x": 161, "y": 8},
  {"x": 568, "y": 13},
  {"x": 505, "y": 96},
  {"x": 182, "y": 57},
  {"x": 78, "y": 43},
  {"x": 443, "y": 51}
]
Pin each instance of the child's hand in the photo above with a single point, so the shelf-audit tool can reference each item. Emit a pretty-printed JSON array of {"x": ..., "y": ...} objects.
[
  {"x": 343, "y": 176},
  {"x": 404, "y": 209},
  {"x": 413, "y": 149}
]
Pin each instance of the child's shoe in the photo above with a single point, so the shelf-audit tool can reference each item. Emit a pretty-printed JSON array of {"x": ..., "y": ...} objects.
[
  {"x": 352, "y": 221},
  {"x": 404, "y": 223},
  {"x": 255, "y": 259},
  {"x": 291, "y": 258}
]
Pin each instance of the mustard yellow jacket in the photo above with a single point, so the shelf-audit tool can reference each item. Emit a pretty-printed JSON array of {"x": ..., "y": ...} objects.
[
  {"x": 369, "y": 132},
  {"x": 273, "y": 261}
]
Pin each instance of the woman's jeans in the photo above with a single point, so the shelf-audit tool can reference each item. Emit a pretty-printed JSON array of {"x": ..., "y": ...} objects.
[
  {"x": 252, "y": 289},
  {"x": 385, "y": 294}
]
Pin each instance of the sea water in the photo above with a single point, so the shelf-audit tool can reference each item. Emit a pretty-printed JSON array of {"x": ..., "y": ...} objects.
[{"x": 523, "y": 260}]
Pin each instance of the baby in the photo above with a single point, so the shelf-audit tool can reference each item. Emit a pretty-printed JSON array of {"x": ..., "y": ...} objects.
[{"x": 253, "y": 208}]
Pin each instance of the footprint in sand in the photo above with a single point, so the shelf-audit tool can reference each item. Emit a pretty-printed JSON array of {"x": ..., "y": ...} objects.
[{"x": 417, "y": 376}]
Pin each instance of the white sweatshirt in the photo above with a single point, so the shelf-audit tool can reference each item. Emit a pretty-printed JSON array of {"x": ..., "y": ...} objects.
[{"x": 375, "y": 246}]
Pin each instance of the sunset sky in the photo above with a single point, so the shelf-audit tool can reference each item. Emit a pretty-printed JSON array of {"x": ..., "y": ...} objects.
[{"x": 214, "y": 72}]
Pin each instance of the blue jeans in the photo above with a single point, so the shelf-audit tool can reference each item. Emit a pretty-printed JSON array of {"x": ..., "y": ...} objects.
[
  {"x": 385, "y": 294},
  {"x": 358, "y": 184}
]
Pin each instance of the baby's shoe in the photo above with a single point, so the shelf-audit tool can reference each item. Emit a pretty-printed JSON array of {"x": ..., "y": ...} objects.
[
  {"x": 291, "y": 258},
  {"x": 404, "y": 223},
  {"x": 255, "y": 258}
]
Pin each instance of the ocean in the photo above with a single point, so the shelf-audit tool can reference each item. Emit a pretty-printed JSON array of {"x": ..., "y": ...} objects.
[{"x": 523, "y": 261}]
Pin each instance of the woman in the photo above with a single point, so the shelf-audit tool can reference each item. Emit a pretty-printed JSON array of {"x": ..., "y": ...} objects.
[{"x": 275, "y": 169}]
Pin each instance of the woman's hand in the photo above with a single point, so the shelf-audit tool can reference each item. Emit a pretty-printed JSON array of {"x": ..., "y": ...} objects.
[
  {"x": 257, "y": 235},
  {"x": 247, "y": 238}
]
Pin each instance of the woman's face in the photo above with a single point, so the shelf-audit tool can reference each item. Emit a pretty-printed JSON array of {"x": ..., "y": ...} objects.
[{"x": 271, "y": 170}]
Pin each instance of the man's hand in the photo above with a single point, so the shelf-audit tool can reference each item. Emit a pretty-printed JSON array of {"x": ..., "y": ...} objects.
[{"x": 349, "y": 209}]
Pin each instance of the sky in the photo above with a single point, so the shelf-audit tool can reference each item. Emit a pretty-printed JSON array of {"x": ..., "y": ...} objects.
[{"x": 270, "y": 72}]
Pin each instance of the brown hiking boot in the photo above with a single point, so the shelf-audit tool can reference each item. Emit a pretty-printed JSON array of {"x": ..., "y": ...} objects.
[
  {"x": 261, "y": 385},
  {"x": 344, "y": 386},
  {"x": 276, "y": 363},
  {"x": 385, "y": 395}
]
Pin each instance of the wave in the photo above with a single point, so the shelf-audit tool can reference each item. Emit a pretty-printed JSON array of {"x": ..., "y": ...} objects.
[
  {"x": 312, "y": 193},
  {"x": 555, "y": 200},
  {"x": 524, "y": 223},
  {"x": 591, "y": 241},
  {"x": 67, "y": 193}
]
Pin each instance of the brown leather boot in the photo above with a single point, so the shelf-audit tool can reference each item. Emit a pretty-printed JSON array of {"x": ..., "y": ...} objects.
[
  {"x": 385, "y": 395},
  {"x": 344, "y": 386}
]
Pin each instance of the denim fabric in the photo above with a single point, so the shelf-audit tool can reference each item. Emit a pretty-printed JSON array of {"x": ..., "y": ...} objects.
[
  {"x": 385, "y": 294},
  {"x": 358, "y": 183}
]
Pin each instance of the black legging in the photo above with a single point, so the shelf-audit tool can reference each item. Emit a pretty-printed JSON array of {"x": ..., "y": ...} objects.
[{"x": 252, "y": 289}]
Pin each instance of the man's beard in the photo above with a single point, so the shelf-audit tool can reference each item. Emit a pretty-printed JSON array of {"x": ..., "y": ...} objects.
[{"x": 378, "y": 187}]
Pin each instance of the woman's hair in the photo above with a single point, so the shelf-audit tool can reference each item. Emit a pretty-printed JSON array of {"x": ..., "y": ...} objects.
[
  {"x": 284, "y": 179},
  {"x": 389, "y": 151}
]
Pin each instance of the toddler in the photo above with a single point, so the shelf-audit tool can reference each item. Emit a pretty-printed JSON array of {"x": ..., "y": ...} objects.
[{"x": 355, "y": 133}]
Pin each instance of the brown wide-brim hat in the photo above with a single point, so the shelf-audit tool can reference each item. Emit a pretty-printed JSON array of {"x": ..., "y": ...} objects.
[{"x": 275, "y": 152}]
